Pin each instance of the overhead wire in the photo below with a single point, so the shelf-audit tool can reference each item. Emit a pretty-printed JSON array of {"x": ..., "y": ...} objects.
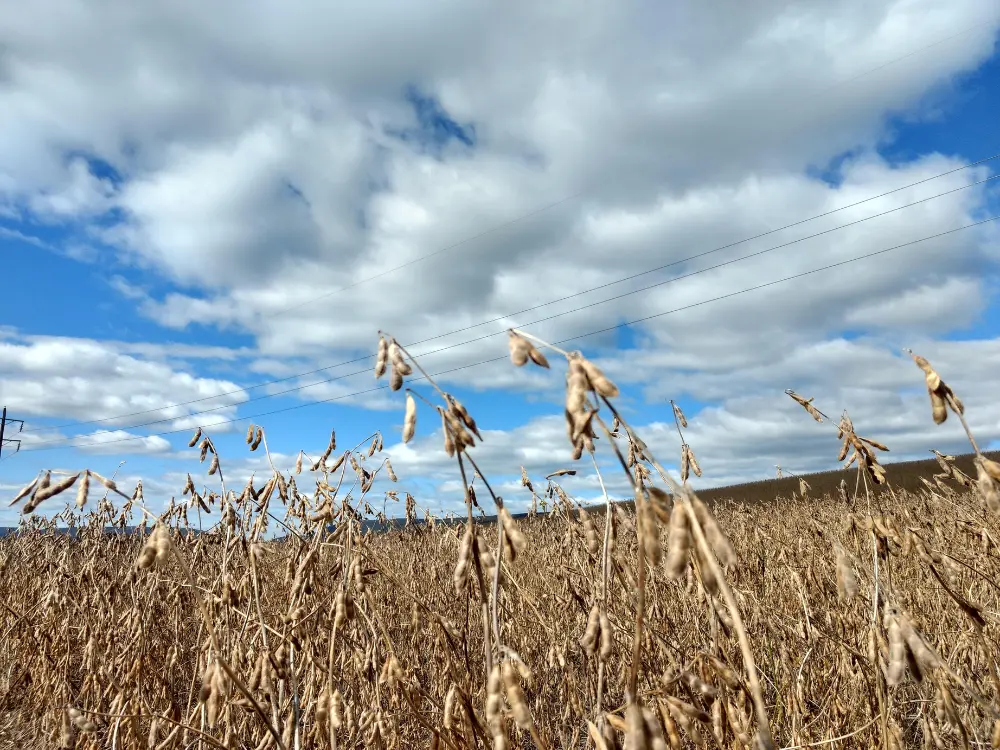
[
  {"x": 76, "y": 445},
  {"x": 632, "y": 277}
]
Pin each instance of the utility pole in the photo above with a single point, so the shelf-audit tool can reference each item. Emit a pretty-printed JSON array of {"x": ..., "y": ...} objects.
[{"x": 3, "y": 426}]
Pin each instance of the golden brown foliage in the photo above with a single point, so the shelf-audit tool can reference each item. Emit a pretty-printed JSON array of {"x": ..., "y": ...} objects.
[{"x": 862, "y": 617}]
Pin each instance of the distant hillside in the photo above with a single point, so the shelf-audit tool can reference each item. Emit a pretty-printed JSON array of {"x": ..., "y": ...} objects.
[{"x": 903, "y": 475}]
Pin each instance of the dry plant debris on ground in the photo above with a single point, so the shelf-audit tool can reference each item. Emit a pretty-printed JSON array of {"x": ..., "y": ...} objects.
[{"x": 862, "y": 616}]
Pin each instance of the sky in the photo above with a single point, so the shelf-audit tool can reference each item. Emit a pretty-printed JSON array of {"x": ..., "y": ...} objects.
[{"x": 207, "y": 217}]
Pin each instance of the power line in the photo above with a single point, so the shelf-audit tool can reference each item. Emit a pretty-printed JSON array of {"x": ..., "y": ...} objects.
[
  {"x": 625, "y": 324},
  {"x": 565, "y": 312},
  {"x": 544, "y": 304}
]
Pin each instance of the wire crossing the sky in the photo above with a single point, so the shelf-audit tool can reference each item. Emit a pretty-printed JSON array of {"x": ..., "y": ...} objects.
[
  {"x": 48, "y": 445},
  {"x": 502, "y": 318}
]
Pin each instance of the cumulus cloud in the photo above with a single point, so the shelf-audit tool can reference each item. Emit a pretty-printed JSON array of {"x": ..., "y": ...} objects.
[
  {"x": 81, "y": 195},
  {"x": 549, "y": 294},
  {"x": 84, "y": 380},
  {"x": 109, "y": 442},
  {"x": 299, "y": 165}
]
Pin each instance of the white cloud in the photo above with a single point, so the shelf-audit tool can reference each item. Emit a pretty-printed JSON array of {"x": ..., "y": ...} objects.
[
  {"x": 112, "y": 442},
  {"x": 125, "y": 288},
  {"x": 27, "y": 239},
  {"x": 83, "y": 380},
  {"x": 675, "y": 229},
  {"x": 932, "y": 308},
  {"x": 83, "y": 194}
]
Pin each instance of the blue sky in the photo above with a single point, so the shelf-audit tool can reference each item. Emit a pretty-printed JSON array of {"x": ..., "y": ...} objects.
[{"x": 160, "y": 248}]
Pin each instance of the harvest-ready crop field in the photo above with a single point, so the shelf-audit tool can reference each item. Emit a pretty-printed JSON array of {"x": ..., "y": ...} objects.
[{"x": 858, "y": 613}]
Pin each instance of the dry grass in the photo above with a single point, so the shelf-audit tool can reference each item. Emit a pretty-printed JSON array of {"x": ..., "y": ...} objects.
[{"x": 854, "y": 619}]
